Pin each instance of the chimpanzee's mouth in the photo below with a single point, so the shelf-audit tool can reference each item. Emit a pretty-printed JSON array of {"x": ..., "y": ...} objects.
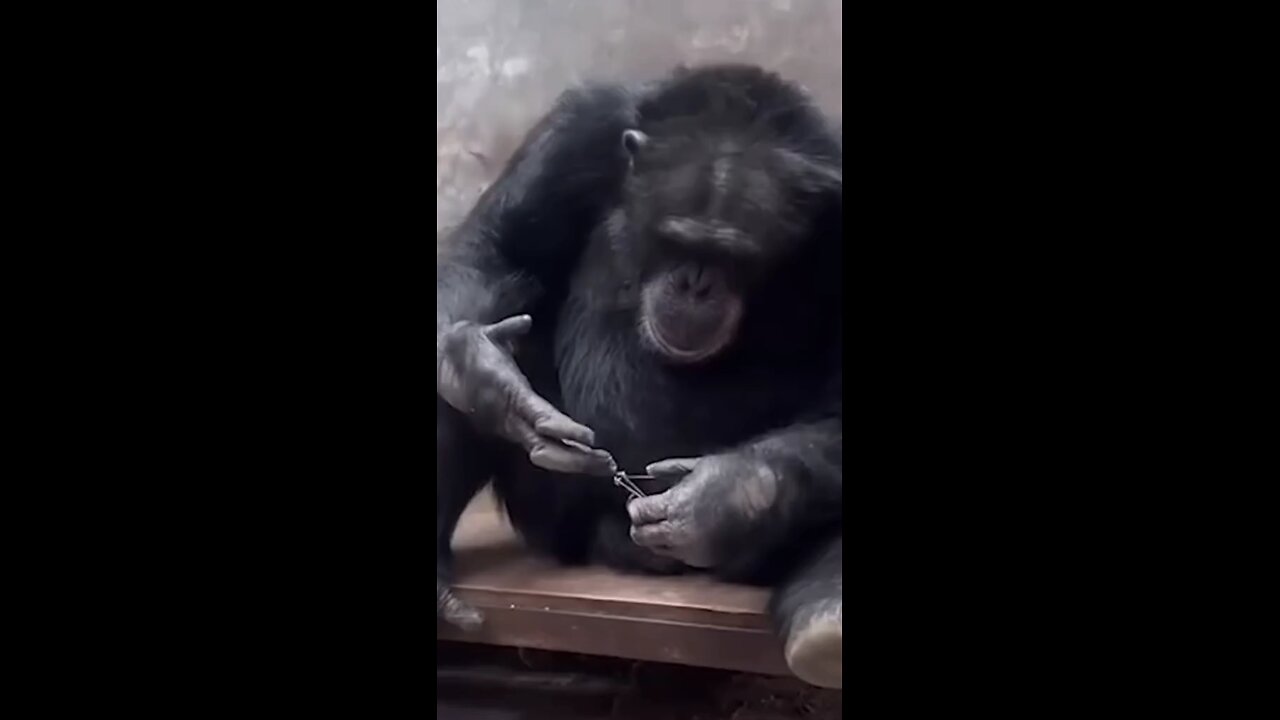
[{"x": 716, "y": 343}]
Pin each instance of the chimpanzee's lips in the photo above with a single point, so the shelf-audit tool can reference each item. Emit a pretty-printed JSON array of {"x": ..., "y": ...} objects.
[
  {"x": 684, "y": 356},
  {"x": 723, "y": 335}
]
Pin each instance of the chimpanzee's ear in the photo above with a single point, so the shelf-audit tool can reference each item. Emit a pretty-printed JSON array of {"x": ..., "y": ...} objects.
[{"x": 633, "y": 141}]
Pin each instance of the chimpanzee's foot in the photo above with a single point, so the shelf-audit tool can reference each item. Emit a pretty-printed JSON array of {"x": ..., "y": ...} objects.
[
  {"x": 809, "y": 610},
  {"x": 815, "y": 645},
  {"x": 453, "y": 611}
]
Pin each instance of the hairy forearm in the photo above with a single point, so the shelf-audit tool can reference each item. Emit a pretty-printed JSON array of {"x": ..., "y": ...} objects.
[
  {"x": 482, "y": 292},
  {"x": 462, "y": 293},
  {"x": 807, "y": 462},
  {"x": 786, "y": 487}
]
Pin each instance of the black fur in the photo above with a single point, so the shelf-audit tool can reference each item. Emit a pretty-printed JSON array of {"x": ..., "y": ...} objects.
[{"x": 556, "y": 237}]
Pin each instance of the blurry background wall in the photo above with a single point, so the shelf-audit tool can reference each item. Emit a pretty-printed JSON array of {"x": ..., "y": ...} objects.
[{"x": 500, "y": 64}]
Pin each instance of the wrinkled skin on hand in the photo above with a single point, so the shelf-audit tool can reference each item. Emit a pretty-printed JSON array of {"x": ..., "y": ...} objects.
[
  {"x": 696, "y": 521},
  {"x": 477, "y": 375}
]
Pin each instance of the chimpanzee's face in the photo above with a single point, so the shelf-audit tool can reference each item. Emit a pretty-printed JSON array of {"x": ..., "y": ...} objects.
[{"x": 710, "y": 219}]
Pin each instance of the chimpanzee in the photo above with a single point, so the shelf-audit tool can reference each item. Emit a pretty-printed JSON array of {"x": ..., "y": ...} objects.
[{"x": 654, "y": 283}]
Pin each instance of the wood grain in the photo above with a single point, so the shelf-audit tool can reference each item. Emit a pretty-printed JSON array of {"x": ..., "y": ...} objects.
[{"x": 530, "y": 601}]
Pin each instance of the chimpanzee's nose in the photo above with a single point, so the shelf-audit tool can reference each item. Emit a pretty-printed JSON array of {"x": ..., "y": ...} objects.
[{"x": 695, "y": 281}]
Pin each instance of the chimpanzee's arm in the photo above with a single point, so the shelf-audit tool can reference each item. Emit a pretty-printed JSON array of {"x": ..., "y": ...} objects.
[
  {"x": 525, "y": 233},
  {"x": 521, "y": 241},
  {"x": 806, "y": 465}
]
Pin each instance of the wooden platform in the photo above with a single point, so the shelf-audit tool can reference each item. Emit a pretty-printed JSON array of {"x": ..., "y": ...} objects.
[{"x": 531, "y": 602}]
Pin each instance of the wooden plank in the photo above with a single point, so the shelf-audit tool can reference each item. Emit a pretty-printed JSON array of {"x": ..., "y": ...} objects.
[{"x": 531, "y": 601}]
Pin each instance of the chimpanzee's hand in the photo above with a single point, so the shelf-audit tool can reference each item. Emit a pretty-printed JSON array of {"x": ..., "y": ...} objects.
[
  {"x": 702, "y": 516},
  {"x": 476, "y": 374}
]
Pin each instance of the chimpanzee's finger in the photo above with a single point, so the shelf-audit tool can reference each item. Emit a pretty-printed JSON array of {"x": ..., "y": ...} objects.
[
  {"x": 655, "y": 536},
  {"x": 505, "y": 331},
  {"x": 522, "y": 434},
  {"x": 556, "y": 456},
  {"x": 673, "y": 466},
  {"x": 554, "y": 424},
  {"x": 594, "y": 452},
  {"x": 649, "y": 509},
  {"x": 550, "y": 422},
  {"x": 552, "y": 455}
]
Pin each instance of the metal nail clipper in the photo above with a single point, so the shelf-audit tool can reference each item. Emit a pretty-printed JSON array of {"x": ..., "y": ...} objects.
[
  {"x": 620, "y": 478},
  {"x": 623, "y": 480}
]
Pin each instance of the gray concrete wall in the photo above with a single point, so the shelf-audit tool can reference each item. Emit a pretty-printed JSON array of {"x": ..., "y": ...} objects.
[{"x": 500, "y": 63}]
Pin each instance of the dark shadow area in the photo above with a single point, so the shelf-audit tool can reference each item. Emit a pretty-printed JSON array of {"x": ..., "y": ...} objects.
[{"x": 487, "y": 683}]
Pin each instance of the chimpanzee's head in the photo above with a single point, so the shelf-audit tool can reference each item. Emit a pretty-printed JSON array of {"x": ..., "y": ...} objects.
[{"x": 709, "y": 216}]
